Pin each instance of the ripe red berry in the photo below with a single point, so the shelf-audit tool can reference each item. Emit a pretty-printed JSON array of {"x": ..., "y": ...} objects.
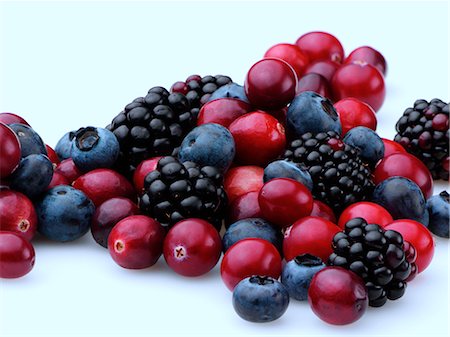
[
  {"x": 68, "y": 169},
  {"x": 244, "y": 207},
  {"x": 291, "y": 54},
  {"x": 371, "y": 212},
  {"x": 222, "y": 111},
  {"x": 144, "y": 168},
  {"x": 352, "y": 113},
  {"x": 58, "y": 179},
  {"x": 51, "y": 154},
  {"x": 316, "y": 83},
  {"x": 10, "y": 118},
  {"x": 368, "y": 55},
  {"x": 325, "y": 68},
  {"x": 9, "y": 151},
  {"x": 322, "y": 210},
  {"x": 391, "y": 147},
  {"x": 16, "y": 255},
  {"x": 321, "y": 46},
  {"x": 243, "y": 179}
]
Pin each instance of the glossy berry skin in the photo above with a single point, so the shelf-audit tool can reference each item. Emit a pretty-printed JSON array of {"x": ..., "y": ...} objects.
[
  {"x": 68, "y": 169},
  {"x": 283, "y": 201},
  {"x": 108, "y": 214},
  {"x": 244, "y": 207},
  {"x": 369, "y": 211},
  {"x": 439, "y": 210},
  {"x": 270, "y": 84},
  {"x": 192, "y": 247},
  {"x": 249, "y": 257},
  {"x": 16, "y": 255},
  {"x": 291, "y": 54},
  {"x": 288, "y": 169},
  {"x": 337, "y": 296},
  {"x": 309, "y": 235},
  {"x": 366, "y": 54},
  {"x": 51, "y": 154},
  {"x": 322, "y": 210},
  {"x": 315, "y": 83},
  {"x": 10, "y": 118},
  {"x": 136, "y": 242},
  {"x": 9, "y": 151},
  {"x": 361, "y": 81},
  {"x": 64, "y": 146},
  {"x": 30, "y": 141},
  {"x": 260, "y": 299},
  {"x": 230, "y": 90},
  {"x": 243, "y": 179},
  {"x": 17, "y": 214},
  {"x": 222, "y": 111},
  {"x": 321, "y": 46},
  {"x": 259, "y": 138},
  {"x": 352, "y": 113},
  {"x": 369, "y": 144},
  {"x": 144, "y": 168},
  {"x": 324, "y": 68},
  {"x": 58, "y": 179},
  {"x": 391, "y": 147},
  {"x": 419, "y": 236}
]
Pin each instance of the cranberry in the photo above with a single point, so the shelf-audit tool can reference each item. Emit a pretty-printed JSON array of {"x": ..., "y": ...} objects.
[
  {"x": 440, "y": 122},
  {"x": 108, "y": 214},
  {"x": 325, "y": 68},
  {"x": 9, "y": 151},
  {"x": 249, "y": 257},
  {"x": 10, "y": 118},
  {"x": 419, "y": 236},
  {"x": 222, "y": 111},
  {"x": 180, "y": 87},
  {"x": 58, "y": 179},
  {"x": 244, "y": 207},
  {"x": 361, "y": 81},
  {"x": 17, "y": 214},
  {"x": 270, "y": 84},
  {"x": 259, "y": 138},
  {"x": 284, "y": 201},
  {"x": 322, "y": 210},
  {"x": 51, "y": 154},
  {"x": 338, "y": 296},
  {"x": 368, "y": 55},
  {"x": 352, "y": 113},
  {"x": 291, "y": 54},
  {"x": 316, "y": 83},
  {"x": 391, "y": 147},
  {"x": 309, "y": 235},
  {"x": 103, "y": 184},
  {"x": 243, "y": 179},
  {"x": 279, "y": 114},
  {"x": 321, "y": 46},
  {"x": 144, "y": 168},
  {"x": 68, "y": 169},
  {"x": 408, "y": 166},
  {"x": 371, "y": 212},
  {"x": 16, "y": 255},
  {"x": 136, "y": 242},
  {"x": 192, "y": 247}
]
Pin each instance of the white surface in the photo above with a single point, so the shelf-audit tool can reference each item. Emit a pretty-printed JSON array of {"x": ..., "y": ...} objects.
[{"x": 66, "y": 65}]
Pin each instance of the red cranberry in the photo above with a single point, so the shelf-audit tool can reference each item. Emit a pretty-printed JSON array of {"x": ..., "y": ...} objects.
[
  {"x": 249, "y": 257},
  {"x": 391, "y": 147},
  {"x": 371, "y": 212},
  {"x": 180, "y": 87},
  {"x": 338, "y": 296},
  {"x": 136, "y": 242},
  {"x": 17, "y": 255},
  {"x": 325, "y": 68},
  {"x": 51, "y": 154},
  {"x": 291, "y": 54},
  {"x": 192, "y": 247},
  {"x": 316, "y": 83},
  {"x": 10, "y": 118},
  {"x": 368, "y": 55},
  {"x": 144, "y": 168},
  {"x": 68, "y": 169},
  {"x": 9, "y": 150},
  {"x": 108, "y": 214},
  {"x": 58, "y": 179},
  {"x": 353, "y": 113},
  {"x": 244, "y": 207},
  {"x": 17, "y": 214},
  {"x": 243, "y": 179},
  {"x": 440, "y": 122},
  {"x": 222, "y": 111},
  {"x": 309, "y": 235},
  {"x": 284, "y": 201},
  {"x": 279, "y": 114},
  {"x": 321, "y": 46},
  {"x": 270, "y": 84},
  {"x": 322, "y": 210}
]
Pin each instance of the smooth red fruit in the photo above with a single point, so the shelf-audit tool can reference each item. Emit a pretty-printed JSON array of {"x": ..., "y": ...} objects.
[
  {"x": 68, "y": 169},
  {"x": 51, "y": 154},
  {"x": 9, "y": 151},
  {"x": 322, "y": 210},
  {"x": 391, "y": 147},
  {"x": 16, "y": 255},
  {"x": 321, "y": 46},
  {"x": 144, "y": 168},
  {"x": 136, "y": 242},
  {"x": 419, "y": 236},
  {"x": 408, "y": 166},
  {"x": 17, "y": 214},
  {"x": 58, "y": 179},
  {"x": 249, "y": 257},
  {"x": 283, "y": 201},
  {"x": 259, "y": 138},
  {"x": 10, "y": 118},
  {"x": 243, "y": 179},
  {"x": 279, "y": 114},
  {"x": 338, "y": 296},
  {"x": 371, "y": 212},
  {"x": 108, "y": 214},
  {"x": 325, "y": 68},
  {"x": 222, "y": 111},
  {"x": 244, "y": 207},
  {"x": 316, "y": 83},
  {"x": 291, "y": 54},
  {"x": 352, "y": 113},
  {"x": 180, "y": 87},
  {"x": 102, "y": 184},
  {"x": 309, "y": 235},
  {"x": 192, "y": 247},
  {"x": 368, "y": 55},
  {"x": 270, "y": 84}
]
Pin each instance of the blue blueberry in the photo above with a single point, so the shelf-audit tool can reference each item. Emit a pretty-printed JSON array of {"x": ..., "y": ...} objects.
[
  {"x": 30, "y": 141},
  {"x": 310, "y": 112},
  {"x": 260, "y": 299},
  {"x": 287, "y": 169},
  {"x": 231, "y": 90},
  {"x": 208, "y": 144},
  {"x": 369, "y": 144},
  {"x": 439, "y": 210},
  {"x": 64, "y": 146},
  {"x": 298, "y": 273},
  {"x": 64, "y": 213},
  {"x": 33, "y": 175},
  {"x": 94, "y": 148}
]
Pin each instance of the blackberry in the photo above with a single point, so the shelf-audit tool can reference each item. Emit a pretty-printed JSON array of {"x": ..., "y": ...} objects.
[
  {"x": 151, "y": 126},
  {"x": 176, "y": 191},
  {"x": 423, "y": 132},
  {"x": 377, "y": 256},
  {"x": 339, "y": 176}
]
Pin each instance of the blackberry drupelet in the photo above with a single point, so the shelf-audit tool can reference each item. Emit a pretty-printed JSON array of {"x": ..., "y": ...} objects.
[
  {"x": 339, "y": 176},
  {"x": 377, "y": 256},
  {"x": 423, "y": 132},
  {"x": 177, "y": 191}
]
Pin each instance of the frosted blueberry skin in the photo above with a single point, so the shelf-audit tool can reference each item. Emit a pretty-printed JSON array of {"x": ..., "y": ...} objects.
[
  {"x": 439, "y": 210},
  {"x": 231, "y": 90},
  {"x": 287, "y": 169},
  {"x": 30, "y": 141},
  {"x": 64, "y": 146},
  {"x": 368, "y": 143}
]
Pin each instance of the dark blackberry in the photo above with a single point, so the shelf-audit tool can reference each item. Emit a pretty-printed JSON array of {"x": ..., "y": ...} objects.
[
  {"x": 423, "y": 132},
  {"x": 150, "y": 126},
  {"x": 339, "y": 176},
  {"x": 176, "y": 191},
  {"x": 377, "y": 256}
]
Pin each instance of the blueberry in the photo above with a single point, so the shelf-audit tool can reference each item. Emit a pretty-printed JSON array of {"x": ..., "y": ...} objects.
[
  {"x": 231, "y": 90},
  {"x": 64, "y": 146},
  {"x": 439, "y": 210},
  {"x": 369, "y": 144},
  {"x": 287, "y": 169},
  {"x": 33, "y": 175},
  {"x": 402, "y": 198},
  {"x": 64, "y": 213},
  {"x": 208, "y": 145},
  {"x": 310, "y": 112},
  {"x": 30, "y": 141},
  {"x": 94, "y": 148},
  {"x": 260, "y": 299}
]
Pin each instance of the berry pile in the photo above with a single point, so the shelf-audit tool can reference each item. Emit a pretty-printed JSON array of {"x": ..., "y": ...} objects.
[{"x": 288, "y": 166}]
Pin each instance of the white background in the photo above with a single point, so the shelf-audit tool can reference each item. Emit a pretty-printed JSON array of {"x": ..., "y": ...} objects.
[{"x": 67, "y": 65}]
